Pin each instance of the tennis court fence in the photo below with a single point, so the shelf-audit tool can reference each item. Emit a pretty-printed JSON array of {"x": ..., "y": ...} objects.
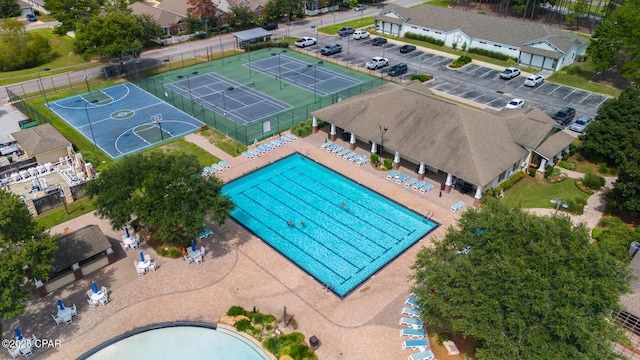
[{"x": 257, "y": 130}]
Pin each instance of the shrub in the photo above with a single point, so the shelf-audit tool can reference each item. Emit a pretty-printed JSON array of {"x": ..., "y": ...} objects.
[
  {"x": 595, "y": 233},
  {"x": 258, "y": 318},
  {"x": 570, "y": 165},
  {"x": 388, "y": 163},
  {"x": 576, "y": 205},
  {"x": 421, "y": 77},
  {"x": 549, "y": 171},
  {"x": 507, "y": 184},
  {"x": 593, "y": 181},
  {"x": 170, "y": 252},
  {"x": 273, "y": 345},
  {"x": 606, "y": 222},
  {"x": 461, "y": 61},
  {"x": 424, "y": 38},
  {"x": 532, "y": 172},
  {"x": 236, "y": 310},
  {"x": 375, "y": 158},
  {"x": 263, "y": 45},
  {"x": 303, "y": 128},
  {"x": 491, "y": 54},
  {"x": 297, "y": 351},
  {"x": 602, "y": 168},
  {"x": 578, "y": 183},
  {"x": 244, "y": 325}
]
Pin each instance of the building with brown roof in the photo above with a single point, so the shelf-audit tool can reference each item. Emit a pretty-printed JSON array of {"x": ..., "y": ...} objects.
[
  {"x": 475, "y": 146},
  {"x": 166, "y": 18},
  {"x": 531, "y": 43},
  {"x": 42, "y": 142}
]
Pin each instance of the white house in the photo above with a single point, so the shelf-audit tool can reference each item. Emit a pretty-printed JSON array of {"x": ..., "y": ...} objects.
[{"x": 532, "y": 44}]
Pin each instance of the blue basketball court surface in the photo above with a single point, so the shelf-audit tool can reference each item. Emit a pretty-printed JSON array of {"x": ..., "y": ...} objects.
[{"x": 124, "y": 119}]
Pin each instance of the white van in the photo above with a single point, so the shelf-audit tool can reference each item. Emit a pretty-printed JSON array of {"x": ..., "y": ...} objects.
[{"x": 360, "y": 35}]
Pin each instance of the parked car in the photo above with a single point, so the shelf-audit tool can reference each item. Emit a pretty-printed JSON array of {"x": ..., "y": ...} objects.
[
  {"x": 360, "y": 35},
  {"x": 31, "y": 17},
  {"x": 331, "y": 49},
  {"x": 509, "y": 73},
  {"x": 346, "y": 31},
  {"x": 377, "y": 62},
  {"x": 306, "y": 41},
  {"x": 534, "y": 80},
  {"x": 270, "y": 26},
  {"x": 515, "y": 104},
  {"x": 564, "y": 116},
  {"x": 580, "y": 124},
  {"x": 398, "y": 69},
  {"x": 405, "y": 49},
  {"x": 379, "y": 41},
  {"x": 359, "y": 8}
]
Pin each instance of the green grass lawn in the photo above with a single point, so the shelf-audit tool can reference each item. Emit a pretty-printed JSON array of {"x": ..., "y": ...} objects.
[
  {"x": 531, "y": 193},
  {"x": 333, "y": 29},
  {"x": 59, "y": 215},
  {"x": 181, "y": 146},
  {"x": 579, "y": 76}
]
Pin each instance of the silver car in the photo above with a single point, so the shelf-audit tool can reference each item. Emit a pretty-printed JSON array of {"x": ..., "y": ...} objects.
[
  {"x": 580, "y": 124},
  {"x": 534, "y": 80}
]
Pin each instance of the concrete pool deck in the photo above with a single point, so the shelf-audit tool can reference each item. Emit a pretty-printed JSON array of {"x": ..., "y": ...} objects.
[{"x": 240, "y": 269}]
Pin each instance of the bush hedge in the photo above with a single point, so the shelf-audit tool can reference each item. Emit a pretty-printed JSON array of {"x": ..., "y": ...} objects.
[
  {"x": 460, "y": 62},
  {"x": 387, "y": 164},
  {"x": 421, "y": 77},
  {"x": 593, "y": 181},
  {"x": 304, "y": 128},
  {"x": 424, "y": 38},
  {"x": 263, "y": 45},
  {"x": 491, "y": 54},
  {"x": 375, "y": 158},
  {"x": 507, "y": 184},
  {"x": 569, "y": 165}
]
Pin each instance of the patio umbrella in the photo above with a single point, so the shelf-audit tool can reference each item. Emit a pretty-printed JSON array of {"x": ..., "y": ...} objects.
[
  {"x": 18, "y": 333},
  {"x": 141, "y": 256},
  {"x": 60, "y": 305},
  {"x": 126, "y": 230},
  {"x": 193, "y": 245},
  {"x": 94, "y": 286}
]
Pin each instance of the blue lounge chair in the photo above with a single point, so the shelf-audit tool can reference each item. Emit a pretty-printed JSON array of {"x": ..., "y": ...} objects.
[
  {"x": 218, "y": 167},
  {"x": 292, "y": 137},
  {"x": 281, "y": 141},
  {"x": 363, "y": 160},
  {"x": 204, "y": 234},
  {"x": 355, "y": 158},
  {"x": 457, "y": 206},
  {"x": 394, "y": 174},
  {"x": 412, "y": 333},
  {"x": 330, "y": 148},
  {"x": 268, "y": 146},
  {"x": 349, "y": 155},
  {"x": 412, "y": 323},
  {"x": 254, "y": 152},
  {"x": 420, "y": 344},
  {"x": 411, "y": 302},
  {"x": 247, "y": 155},
  {"x": 411, "y": 312},
  {"x": 424, "y": 355},
  {"x": 337, "y": 150},
  {"x": 275, "y": 144},
  {"x": 209, "y": 170},
  {"x": 426, "y": 188},
  {"x": 418, "y": 185},
  {"x": 402, "y": 178},
  {"x": 343, "y": 152},
  {"x": 411, "y": 182},
  {"x": 225, "y": 164},
  {"x": 326, "y": 145}
]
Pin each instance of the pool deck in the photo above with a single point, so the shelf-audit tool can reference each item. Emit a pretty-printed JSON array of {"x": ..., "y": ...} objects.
[{"x": 239, "y": 269}]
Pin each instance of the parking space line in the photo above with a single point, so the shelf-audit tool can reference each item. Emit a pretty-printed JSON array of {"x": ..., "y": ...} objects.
[
  {"x": 602, "y": 102},
  {"x": 552, "y": 91},
  {"x": 585, "y": 98},
  {"x": 574, "y": 90},
  {"x": 489, "y": 71},
  {"x": 474, "y": 99}
]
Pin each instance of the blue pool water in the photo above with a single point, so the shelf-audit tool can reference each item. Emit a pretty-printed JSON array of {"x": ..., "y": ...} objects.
[{"x": 341, "y": 233}]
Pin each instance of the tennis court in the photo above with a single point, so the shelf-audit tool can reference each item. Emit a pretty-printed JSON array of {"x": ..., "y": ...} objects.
[
  {"x": 231, "y": 99},
  {"x": 308, "y": 76},
  {"x": 124, "y": 119}
]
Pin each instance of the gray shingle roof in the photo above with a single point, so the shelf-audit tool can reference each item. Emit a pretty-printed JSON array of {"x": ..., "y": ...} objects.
[
  {"x": 40, "y": 139},
  {"x": 554, "y": 144},
  {"x": 480, "y": 26},
  {"x": 474, "y": 145},
  {"x": 255, "y": 33},
  {"x": 164, "y": 17},
  {"x": 78, "y": 246}
]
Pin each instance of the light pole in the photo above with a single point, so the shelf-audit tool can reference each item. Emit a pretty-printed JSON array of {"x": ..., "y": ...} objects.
[
  {"x": 62, "y": 198},
  {"x": 44, "y": 93},
  {"x": 382, "y": 132},
  {"x": 188, "y": 76},
  {"x": 93, "y": 136},
  {"x": 315, "y": 79},
  {"x": 224, "y": 106},
  {"x": 279, "y": 73}
]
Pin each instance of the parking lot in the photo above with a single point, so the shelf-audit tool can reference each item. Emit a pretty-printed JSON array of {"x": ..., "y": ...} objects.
[{"x": 479, "y": 84}]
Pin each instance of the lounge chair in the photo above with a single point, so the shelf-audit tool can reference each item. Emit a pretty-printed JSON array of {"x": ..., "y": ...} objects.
[
  {"x": 412, "y": 333},
  {"x": 254, "y": 152},
  {"x": 418, "y": 185},
  {"x": 457, "y": 206},
  {"x": 411, "y": 302},
  {"x": 349, "y": 155},
  {"x": 209, "y": 170},
  {"x": 275, "y": 144},
  {"x": 424, "y": 355},
  {"x": 412, "y": 323},
  {"x": 426, "y": 188},
  {"x": 225, "y": 164},
  {"x": 332, "y": 147},
  {"x": 394, "y": 174},
  {"x": 411, "y": 312},
  {"x": 218, "y": 167},
  {"x": 282, "y": 141},
  {"x": 337, "y": 150},
  {"x": 411, "y": 182},
  {"x": 355, "y": 158},
  {"x": 418, "y": 344},
  {"x": 402, "y": 178},
  {"x": 363, "y": 160},
  {"x": 292, "y": 137},
  {"x": 247, "y": 155},
  {"x": 343, "y": 152},
  {"x": 326, "y": 145}
]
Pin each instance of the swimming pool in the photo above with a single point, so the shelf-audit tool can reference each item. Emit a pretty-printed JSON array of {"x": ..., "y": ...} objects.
[
  {"x": 184, "y": 340},
  {"x": 336, "y": 230}
]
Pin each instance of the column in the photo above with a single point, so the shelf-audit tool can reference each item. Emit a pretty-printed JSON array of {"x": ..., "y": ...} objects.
[
  {"x": 352, "y": 142},
  {"x": 421, "y": 171},
  {"x": 332, "y": 133},
  {"x": 77, "y": 271},
  {"x": 374, "y": 147},
  {"x": 543, "y": 165},
  {"x": 314, "y": 125},
  {"x": 396, "y": 161},
  {"x": 447, "y": 183},
  {"x": 478, "y": 196},
  {"x": 41, "y": 289}
]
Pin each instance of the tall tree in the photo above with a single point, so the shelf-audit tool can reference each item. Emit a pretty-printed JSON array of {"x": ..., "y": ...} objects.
[
  {"x": 625, "y": 195},
  {"x": 167, "y": 193},
  {"x": 9, "y": 8},
  {"x": 72, "y": 12},
  {"x": 525, "y": 286},
  {"x": 202, "y": 9},
  {"x": 151, "y": 29},
  {"x": 241, "y": 17},
  {"x": 626, "y": 19},
  {"x": 22, "y": 243},
  {"x": 109, "y": 35},
  {"x": 20, "y": 49},
  {"x": 604, "y": 47}
]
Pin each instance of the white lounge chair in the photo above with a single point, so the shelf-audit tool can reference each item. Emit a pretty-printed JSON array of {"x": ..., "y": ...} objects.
[
  {"x": 355, "y": 158},
  {"x": 337, "y": 150},
  {"x": 402, "y": 178},
  {"x": 331, "y": 147},
  {"x": 363, "y": 160},
  {"x": 424, "y": 355},
  {"x": 343, "y": 152},
  {"x": 247, "y": 155},
  {"x": 411, "y": 182},
  {"x": 418, "y": 185},
  {"x": 218, "y": 167},
  {"x": 225, "y": 164},
  {"x": 349, "y": 155},
  {"x": 412, "y": 333},
  {"x": 426, "y": 188},
  {"x": 394, "y": 174},
  {"x": 411, "y": 312},
  {"x": 457, "y": 206},
  {"x": 412, "y": 323},
  {"x": 291, "y": 137},
  {"x": 411, "y": 302},
  {"x": 326, "y": 145},
  {"x": 418, "y": 344}
]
